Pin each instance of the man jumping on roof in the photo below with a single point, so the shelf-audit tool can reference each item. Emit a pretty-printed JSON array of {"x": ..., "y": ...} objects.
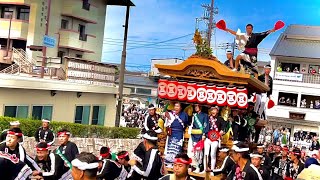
[{"x": 250, "y": 52}]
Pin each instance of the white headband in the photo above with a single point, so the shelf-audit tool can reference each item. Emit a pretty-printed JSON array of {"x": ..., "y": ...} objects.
[
  {"x": 256, "y": 155},
  {"x": 147, "y": 136},
  {"x": 15, "y": 123},
  {"x": 237, "y": 149},
  {"x": 224, "y": 150},
  {"x": 83, "y": 165},
  {"x": 262, "y": 146},
  {"x": 45, "y": 120}
]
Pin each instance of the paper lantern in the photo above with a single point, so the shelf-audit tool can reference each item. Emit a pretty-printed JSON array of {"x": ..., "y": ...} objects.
[
  {"x": 232, "y": 96},
  {"x": 172, "y": 90},
  {"x": 201, "y": 93},
  {"x": 221, "y": 25},
  {"x": 182, "y": 90},
  {"x": 162, "y": 88},
  {"x": 221, "y": 92},
  {"x": 242, "y": 97},
  {"x": 192, "y": 92},
  {"x": 211, "y": 94}
]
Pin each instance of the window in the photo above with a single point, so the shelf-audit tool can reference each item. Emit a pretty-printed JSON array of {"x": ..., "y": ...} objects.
[
  {"x": 287, "y": 99},
  {"x": 7, "y": 13},
  {"x": 314, "y": 69},
  {"x": 82, "y": 32},
  {"x": 297, "y": 116},
  {"x": 86, "y": 5},
  {"x": 98, "y": 115},
  {"x": 61, "y": 54},
  {"x": 16, "y": 111},
  {"x": 42, "y": 112},
  {"x": 143, "y": 91},
  {"x": 78, "y": 55},
  {"x": 64, "y": 24},
  {"x": 312, "y": 102},
  {"x": 23, "y": 13},
  {"x": 133, "y": 90},
  {"x": 82, "y": 114},
  {"x": 289, "y": 67}
]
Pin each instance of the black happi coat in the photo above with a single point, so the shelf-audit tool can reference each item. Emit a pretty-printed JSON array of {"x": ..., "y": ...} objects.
[
  {"x": 69, "y": 151},
  {"x": 50, "y": 167},
  {"x": 152, "y": 165},
  {"x": 11, "y": 169},
  {"x": 278, "y": 167},
  {"x": 226, "y": 167},
  {"x": 110, "y": 170},
  {"x": 262, "y": 78},
  {"x": 20, "y": 152},
  {"x": 150, "y": 123},
  {"x": 266, "y": 162},
  {"x": 292, "y": 172},
  {"x": 249, "y": 173},
  {"x": 44, "y": 134},
  {"x": 264, "y": 173},
  {"x": 255, "y": 39},
  {"x": 315, "y": 145}
]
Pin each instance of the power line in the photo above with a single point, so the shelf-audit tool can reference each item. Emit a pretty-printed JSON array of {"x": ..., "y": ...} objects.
[{"x": 143, "y": 46}]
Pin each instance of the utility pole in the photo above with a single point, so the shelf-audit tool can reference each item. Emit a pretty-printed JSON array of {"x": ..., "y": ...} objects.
[
  {"x": 122, "y": 68},
  {"x": 44, "y": 48},
  {"x": 210, "y": 23},
  {"x": 208, "y": 18}
]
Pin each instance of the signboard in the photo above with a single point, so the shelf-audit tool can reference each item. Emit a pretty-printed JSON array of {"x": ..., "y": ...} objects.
[
  {"x": 289, "y": 76},
  {"x": 49, "y": 42}
]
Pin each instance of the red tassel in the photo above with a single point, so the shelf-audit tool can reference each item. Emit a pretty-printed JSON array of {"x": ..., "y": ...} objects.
[
  {"x": 270, "y": 104},
  {"x": 279, "y": 24},
  {"x": 221, "y": 25}
]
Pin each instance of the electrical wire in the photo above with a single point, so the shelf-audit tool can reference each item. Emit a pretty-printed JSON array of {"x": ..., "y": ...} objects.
[{"x": 143, "y": 46}]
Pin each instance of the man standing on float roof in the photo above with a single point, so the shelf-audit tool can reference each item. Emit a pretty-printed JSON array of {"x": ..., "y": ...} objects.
[{"x": 251, "y": 47}]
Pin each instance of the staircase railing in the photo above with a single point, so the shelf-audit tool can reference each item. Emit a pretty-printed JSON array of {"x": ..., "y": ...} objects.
[
  {"x": 13, "y": 69},
  {"x": 21, "y": 63}
]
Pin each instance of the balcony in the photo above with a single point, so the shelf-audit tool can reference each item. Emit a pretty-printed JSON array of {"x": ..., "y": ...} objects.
[
  {"x": 284, "y": 112},
  {"x": 78, "y": 10},
  {"x": 297, "y": 77},
  {"x": 73, "y": 40},
  {"x": 19, "y": 29},
  {"x": 17, "y": 2}
]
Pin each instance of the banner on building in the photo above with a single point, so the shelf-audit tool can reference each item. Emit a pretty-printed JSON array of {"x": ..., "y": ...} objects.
[{"x": 289, "y": 76}]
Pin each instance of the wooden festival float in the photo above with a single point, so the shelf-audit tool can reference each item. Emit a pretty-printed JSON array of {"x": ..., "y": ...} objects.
[{"x": 208, "y": 82}]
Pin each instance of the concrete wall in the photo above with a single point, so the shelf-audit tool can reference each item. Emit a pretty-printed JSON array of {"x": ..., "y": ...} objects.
[
  {"x": 64, "y": 103},
  {"x": 90, "y": 144}
]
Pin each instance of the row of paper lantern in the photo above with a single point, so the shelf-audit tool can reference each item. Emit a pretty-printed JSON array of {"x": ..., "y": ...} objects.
[{"x": 202, "y": 93}]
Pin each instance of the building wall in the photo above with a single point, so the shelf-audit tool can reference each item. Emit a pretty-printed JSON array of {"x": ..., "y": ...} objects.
[
  {"x": 63, "y": 103},
  {"x": 34, "y": 30}
]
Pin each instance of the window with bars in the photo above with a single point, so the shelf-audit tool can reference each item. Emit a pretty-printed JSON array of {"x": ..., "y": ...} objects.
[
  {"x": 23, "y": 13},
  {"x": 16, "y": 111},
  {"x": 42, "y": 112}
]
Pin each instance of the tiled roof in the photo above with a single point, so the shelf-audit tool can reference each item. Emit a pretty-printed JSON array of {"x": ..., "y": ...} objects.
[{"x": 298, "y": 41}]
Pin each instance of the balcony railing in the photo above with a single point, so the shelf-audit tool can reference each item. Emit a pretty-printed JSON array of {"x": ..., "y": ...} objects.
[{"x": 297, "y": 77}]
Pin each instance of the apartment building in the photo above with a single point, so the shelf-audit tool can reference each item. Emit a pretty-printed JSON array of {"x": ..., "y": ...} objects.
[
  {"x": 296, "y": 73},
  {"x": 77, "y": 87}
]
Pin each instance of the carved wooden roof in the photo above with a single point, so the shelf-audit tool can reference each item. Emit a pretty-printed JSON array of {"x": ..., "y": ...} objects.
[{"x": 210, "y": 70}]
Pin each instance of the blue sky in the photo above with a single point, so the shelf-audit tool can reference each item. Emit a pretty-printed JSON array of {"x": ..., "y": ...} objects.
[{"x": 153, "y": 21}]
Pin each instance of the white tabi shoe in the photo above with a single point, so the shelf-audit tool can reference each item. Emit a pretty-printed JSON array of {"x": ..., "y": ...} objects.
[
  {"x": 211, "y": 174},
  {"x": 234, "y": 70}
]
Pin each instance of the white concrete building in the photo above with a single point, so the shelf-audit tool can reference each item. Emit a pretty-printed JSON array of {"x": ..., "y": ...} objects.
[{"x": 295, "y": 61}]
